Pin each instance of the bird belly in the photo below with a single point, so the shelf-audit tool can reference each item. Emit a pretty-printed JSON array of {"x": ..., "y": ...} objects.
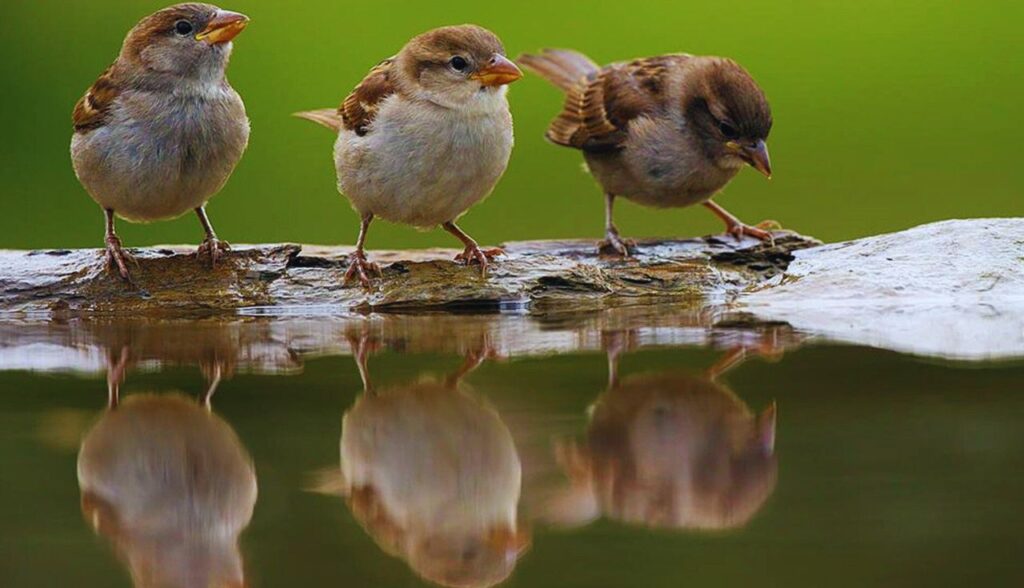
[
  {"x": 149, "y": 169},
  {"x": 423, "y": 170},
  {"x": 659, "y": 166}
]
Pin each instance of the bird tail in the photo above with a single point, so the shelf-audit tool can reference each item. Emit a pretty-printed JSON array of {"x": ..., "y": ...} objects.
[
  {"x": 562, "y": 67},
  {"x": 328, "y": 117}
]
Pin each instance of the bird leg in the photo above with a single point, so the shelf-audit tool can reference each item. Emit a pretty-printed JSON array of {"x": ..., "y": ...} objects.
[
  {"x": 363, "y": 346},
  {"x": 214, "y": 373},
  {"x": 613, "y": 243},
  {"x": 738, "y": 228},
  {"x": 116, "y": 371},
  {"x": 117, "y": 257},
  {"x": 211, "y": 245},
  {"x": 472, "y": 254},
  {"x": 359, "y": 266}
]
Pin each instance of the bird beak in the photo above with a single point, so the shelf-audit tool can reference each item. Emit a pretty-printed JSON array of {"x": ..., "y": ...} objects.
[
  {"x": 757, "y": 156},
  {"x": 224, "y": 27},
  {"x": 499, "y": 72}
]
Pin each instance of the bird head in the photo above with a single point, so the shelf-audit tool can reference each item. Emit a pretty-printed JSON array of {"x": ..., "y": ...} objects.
[
  {"x": 730, "y": 113},
  {"x": 456, "y": 66},
  {"x": 186, "y": 40}
]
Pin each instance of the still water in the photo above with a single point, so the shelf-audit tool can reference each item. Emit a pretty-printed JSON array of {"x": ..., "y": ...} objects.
[{"x": 623, "y": 449}]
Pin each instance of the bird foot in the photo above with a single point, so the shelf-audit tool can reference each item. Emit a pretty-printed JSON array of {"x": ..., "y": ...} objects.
[
  {"x": 213, "y": 247},
  {"x": 614, "y": 244},
  {"x": 761, "y": 230},
  {"x": 118, "y": 258},
  {"x": 473, "y": 254},
  {"x": 361, "y": 268}
]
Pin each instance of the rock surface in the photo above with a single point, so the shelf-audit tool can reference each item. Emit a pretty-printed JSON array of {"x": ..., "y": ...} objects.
[
  {"x": 538, "y": 276},
  {"x": 953, "y": 289}
]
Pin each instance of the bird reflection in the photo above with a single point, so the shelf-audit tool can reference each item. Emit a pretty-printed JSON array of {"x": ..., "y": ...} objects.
[
  {"x": 432, "y": 474},
  {"x": 170, "y": 485},
  {"x": 668, "y": 450}
]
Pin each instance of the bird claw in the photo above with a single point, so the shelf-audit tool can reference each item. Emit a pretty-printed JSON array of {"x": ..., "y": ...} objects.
[
  {"x": 117, "y": 258},
  {"x": 473, "y": 254},
  {"x": 762, "y": 231},
  {"x": 359, "y": 267},
  {"x": 213, "y": 247},
  {"x": 614, "y": 244}
]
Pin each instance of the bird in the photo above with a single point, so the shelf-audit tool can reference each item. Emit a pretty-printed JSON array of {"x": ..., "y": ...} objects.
[
  {"x": 161, "y": 130},
  {"x": 426, "y": 135},
  {"x": 664, "y": 131}
]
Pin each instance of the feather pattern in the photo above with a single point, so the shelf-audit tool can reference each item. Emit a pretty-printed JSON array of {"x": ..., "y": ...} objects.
[
  {"x": 361, "y": 106},
  {"x": 601, "y": 103},
  {"x": 92, "y": 110}
]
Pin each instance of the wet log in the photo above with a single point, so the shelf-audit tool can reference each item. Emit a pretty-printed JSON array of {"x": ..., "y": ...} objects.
[{"x": 534, "y": 277}]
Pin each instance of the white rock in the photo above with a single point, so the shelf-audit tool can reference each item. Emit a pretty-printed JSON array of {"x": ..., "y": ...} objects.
[{"x": 953, "y": 289}]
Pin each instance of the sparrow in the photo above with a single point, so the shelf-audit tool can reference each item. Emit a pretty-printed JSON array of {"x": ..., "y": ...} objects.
[
  {"x": 666, "y": 131},
  {"x": 425, "y": 136},
  {"x": 161, "y": 130}
]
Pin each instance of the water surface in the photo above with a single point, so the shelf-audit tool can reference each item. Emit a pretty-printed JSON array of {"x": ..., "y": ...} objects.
[{"x": 609, "y": 450}]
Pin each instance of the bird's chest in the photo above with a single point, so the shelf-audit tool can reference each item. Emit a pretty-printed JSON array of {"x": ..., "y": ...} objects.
[
  {"x": 187, "y": 134},
  {"x": 423, "y": 166},
  {"x": 448, "y": 149}
]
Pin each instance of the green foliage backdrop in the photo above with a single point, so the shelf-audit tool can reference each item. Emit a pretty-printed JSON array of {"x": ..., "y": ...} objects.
[{"x": 888, "y": 114}]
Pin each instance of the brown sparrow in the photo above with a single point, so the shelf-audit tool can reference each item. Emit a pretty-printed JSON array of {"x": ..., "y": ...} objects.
[
  {"x": 161, "y": 130},
  {"x": 667, "y": 131},
  {"x": 425, "y": 136}
]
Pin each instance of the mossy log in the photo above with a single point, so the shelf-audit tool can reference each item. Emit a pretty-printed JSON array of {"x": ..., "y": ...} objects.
[{"x": 533, "y": 276}]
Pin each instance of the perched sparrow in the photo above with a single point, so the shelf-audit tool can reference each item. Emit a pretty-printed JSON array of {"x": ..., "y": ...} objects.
[
  {"x": 161, "y": 130},
  {"x": 425, "y": 136},
  {"x": 667, "y": 131}
]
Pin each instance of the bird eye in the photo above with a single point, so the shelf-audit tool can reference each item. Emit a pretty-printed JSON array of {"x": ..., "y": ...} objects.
[
  {"x": 728, "y": 130},
  {"x": 183, "y": 27},
  {"x": 458, "y": 63}
]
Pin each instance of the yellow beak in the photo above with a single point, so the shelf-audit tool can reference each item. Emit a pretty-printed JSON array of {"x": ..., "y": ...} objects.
[
  {"x": 499, "y": 72},
  {"x": 224, "y": 27}
]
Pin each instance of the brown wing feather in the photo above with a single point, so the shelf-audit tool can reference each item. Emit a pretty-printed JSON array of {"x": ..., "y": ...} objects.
[
  {"x": 93, "y": 109},
  {"x": 599, "y": 108},
  {"x": 361, "y": 106}
]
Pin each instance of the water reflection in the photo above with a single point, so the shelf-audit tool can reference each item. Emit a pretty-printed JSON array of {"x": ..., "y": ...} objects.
[
  {"x": 668, "y": 450},
  {"x": 170, "y": 485},
  {"x": 431, "y": 473}
]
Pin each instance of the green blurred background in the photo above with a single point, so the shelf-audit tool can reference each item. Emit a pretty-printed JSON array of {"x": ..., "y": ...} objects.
[{"x": 888, "y": 114}]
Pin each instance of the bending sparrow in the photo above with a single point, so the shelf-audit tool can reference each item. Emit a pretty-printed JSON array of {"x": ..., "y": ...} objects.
[
  {"x": 425, "y": 136},
  {"x": 666, "y": 131},
  {"x": 161, "y": 130}
]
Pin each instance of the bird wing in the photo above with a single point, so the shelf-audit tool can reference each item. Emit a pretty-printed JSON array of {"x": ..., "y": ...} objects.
[
  {"x": 361, "y": 106},
  {"x": 93, "y": 109},
  {"x": 599, "y": 108}
]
